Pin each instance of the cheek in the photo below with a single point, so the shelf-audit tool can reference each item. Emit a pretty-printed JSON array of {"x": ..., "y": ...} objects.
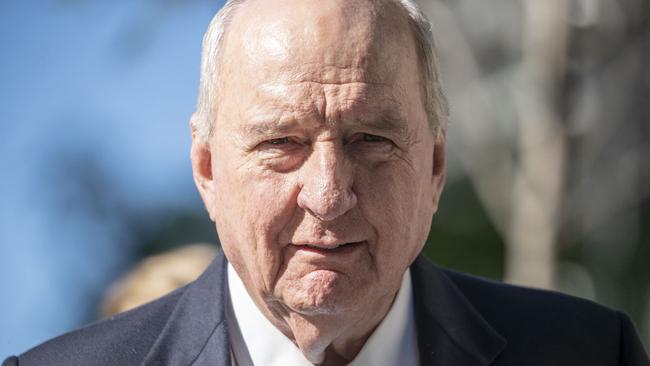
[
  {"x": 252, "y": 208},
  {"x": 269, "y": 206},
  {"x": 246, "y": 196},
  {"x": 386, "y": 193},
  {"x": 392, "y": 198}
]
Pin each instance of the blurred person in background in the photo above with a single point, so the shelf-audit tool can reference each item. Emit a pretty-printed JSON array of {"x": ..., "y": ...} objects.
[
  {"x": 319, "y": 152},
  {"x": 156, "y": 276}
]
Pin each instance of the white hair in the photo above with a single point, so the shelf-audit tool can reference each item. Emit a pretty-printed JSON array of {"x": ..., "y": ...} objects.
[{"x": 435, "y": 102}]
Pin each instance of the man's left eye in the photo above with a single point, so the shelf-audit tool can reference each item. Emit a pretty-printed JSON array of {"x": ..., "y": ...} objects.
[
  {"x": 372, "y": 138},
  {"x": 279, "y": 141}
]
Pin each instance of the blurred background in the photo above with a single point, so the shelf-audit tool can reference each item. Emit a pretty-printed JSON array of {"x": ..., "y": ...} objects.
[{"x": 549, "y": 149}]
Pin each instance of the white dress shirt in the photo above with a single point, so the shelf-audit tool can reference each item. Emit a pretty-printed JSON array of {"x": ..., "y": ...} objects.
[{"x": 256, "y": 341}]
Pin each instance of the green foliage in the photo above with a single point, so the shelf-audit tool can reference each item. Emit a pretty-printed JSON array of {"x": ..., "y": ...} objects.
[{"x": 462, "y": 236}]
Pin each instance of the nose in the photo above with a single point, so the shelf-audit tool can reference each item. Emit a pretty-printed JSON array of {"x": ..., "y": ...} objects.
[{"x": 326, "y": 190}]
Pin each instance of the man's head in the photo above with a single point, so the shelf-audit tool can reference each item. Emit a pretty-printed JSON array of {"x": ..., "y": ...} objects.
[{"x": 322, "y": 171}]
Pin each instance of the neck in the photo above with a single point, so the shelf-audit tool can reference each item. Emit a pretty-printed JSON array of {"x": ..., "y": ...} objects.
[{"x": 328, "y": 339}]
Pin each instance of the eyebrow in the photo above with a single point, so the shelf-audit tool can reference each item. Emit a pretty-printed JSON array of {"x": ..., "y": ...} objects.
[
  {"x": 270, "y": 124},
  {"x": 390, "y": 121}
]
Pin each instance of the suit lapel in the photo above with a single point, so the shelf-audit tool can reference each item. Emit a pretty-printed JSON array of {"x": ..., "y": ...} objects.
[
  {"x": 450, "y": 330},
  {"x": 196, "y": 333}
]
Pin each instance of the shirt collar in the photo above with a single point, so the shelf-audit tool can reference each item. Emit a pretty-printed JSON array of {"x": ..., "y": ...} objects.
[{"x": 393, "y": 342}]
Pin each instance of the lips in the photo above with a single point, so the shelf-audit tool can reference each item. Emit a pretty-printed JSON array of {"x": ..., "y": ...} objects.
[{"x": 327, "y": 248}]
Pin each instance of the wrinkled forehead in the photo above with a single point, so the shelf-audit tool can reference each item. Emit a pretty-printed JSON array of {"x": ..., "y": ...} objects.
[{"x": 336, "y": 41}]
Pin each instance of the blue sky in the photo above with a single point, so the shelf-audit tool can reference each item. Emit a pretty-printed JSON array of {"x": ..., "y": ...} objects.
[{"x": 87, "y": 86}]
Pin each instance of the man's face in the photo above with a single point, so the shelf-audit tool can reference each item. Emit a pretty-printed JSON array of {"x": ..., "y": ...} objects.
[{"x": 322, "y": 175}]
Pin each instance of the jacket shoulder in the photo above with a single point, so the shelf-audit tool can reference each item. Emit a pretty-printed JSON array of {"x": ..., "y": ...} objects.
[
  {"x": 541, "y": 323},
  {"x": 500, "y": 301},
  {"x": 123, "y": 339}
]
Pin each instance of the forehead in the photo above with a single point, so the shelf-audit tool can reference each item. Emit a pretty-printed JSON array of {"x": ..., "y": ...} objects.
[
  {"x": 322, "y": 104},
  {"x": 327, "y": 41},
  {"x": 299, "y": 55}
]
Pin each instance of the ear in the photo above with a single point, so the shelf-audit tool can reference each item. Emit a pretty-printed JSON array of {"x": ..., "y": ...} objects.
[
  {"x": 201, "y": 155},
  {"x": 439, "y": 168}
]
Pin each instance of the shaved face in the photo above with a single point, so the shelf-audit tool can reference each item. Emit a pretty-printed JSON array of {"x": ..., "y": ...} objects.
[{"x": 322, "y": 175}]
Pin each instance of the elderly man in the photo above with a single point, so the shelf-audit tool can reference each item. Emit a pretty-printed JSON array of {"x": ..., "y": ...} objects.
[{"x": 319, "y": 151}]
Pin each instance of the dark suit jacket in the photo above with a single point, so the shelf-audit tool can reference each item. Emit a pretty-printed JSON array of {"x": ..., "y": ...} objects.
[{"x": 461, "y": 321}]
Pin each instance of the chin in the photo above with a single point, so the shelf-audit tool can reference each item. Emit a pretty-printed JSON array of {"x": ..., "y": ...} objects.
[{"x": 321, "y": 293}]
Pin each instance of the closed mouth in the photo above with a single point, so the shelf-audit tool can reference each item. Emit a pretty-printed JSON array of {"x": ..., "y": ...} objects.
[{"x": 328, "y": 248}]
